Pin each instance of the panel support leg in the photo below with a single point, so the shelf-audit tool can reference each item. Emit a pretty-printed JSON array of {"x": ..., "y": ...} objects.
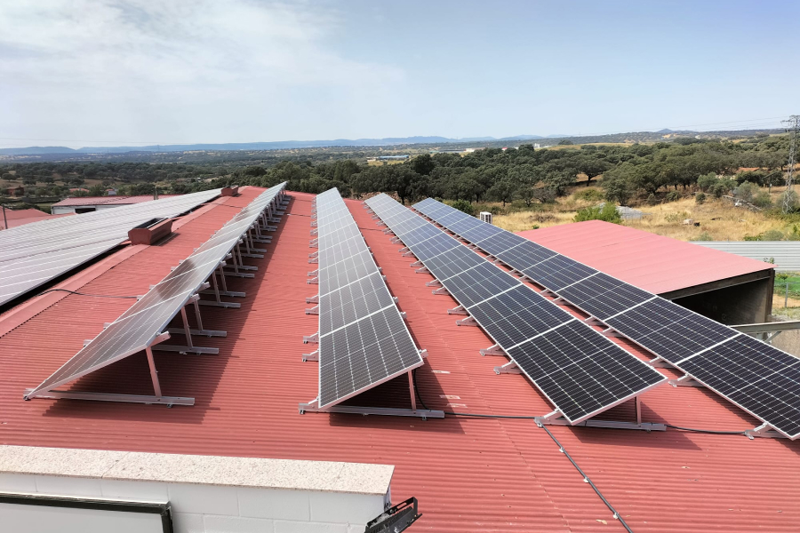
[
  {"x": 198, "y": 319},
  {"x": 764, "y": 430},
  {"x": 685, "y": 381},
  {"x": 493, "y": 350},
  {"x": 508, "y": 368},
  {"x": 153, "y": 372},
  {"x": 190, "y": 347},
  {"x": 186, "y": 330},
  {"x": 411, "y": 390},
  {"x": 638, "y": 411}
]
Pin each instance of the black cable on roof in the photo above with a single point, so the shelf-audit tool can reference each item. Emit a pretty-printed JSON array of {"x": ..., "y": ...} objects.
[
  {"x": 587, "y": 480},
  {"x": 84, "y": 294},
  {"x": 709, "y": 431}
]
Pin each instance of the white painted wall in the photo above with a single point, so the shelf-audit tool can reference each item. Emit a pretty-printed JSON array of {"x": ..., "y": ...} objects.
[
  {"x": 38, "y": 519},
  {"x": 293, "y": 496}
]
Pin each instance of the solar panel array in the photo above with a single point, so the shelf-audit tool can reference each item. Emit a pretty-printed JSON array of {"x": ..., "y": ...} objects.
[
  {"x": 138, "y": 327},
  {"x": 755, "y": 376},
  {"x": 33, "y": 254},
  {"x": 580, "y": 371},
  {"x": 363, "y": 339}
]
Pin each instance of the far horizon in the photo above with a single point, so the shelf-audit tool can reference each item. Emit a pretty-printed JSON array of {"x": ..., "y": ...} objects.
[
  {"x": 84, "y": 73},
  {"x": 369, "y": 142}
]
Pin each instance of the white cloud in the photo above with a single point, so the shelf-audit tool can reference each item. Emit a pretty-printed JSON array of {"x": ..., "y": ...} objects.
[{"x": 177, "y": 71}]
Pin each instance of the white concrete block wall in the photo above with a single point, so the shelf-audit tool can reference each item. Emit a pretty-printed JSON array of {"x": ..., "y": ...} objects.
[{"x": 210, "y": 494}]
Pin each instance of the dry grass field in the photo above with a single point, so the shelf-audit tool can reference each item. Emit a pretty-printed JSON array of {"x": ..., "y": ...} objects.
[{"x": 717, "y": 218}]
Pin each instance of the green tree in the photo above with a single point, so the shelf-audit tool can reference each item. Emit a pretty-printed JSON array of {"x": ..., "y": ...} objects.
[
  {"x": 464, "y": 206},
  {"x": 706, "y": 181},
  {"x": 592, "y": 167},
  {"x": 619, "y": 187},
  {"x": 422, "y": 164},
  {"x": 608, "y": 213},
  {"x": 746, "y": 191},
  {"x": 503, "y": 191}
]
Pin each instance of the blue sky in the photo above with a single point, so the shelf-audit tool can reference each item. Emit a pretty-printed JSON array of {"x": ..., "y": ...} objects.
[{"x": 88, "y": 72}]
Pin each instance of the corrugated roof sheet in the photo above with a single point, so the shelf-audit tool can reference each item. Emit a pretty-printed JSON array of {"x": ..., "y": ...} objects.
[
  {"x": 649, "y": 261},
  {"x": 110, "y": 200},
  {"x": 469, "y": 474},
  {"x": 18, "y": 217},
  {"x": 786, "y": 254}
]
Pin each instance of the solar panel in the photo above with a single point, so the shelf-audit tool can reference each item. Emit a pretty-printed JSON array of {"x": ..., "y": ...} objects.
[
  {"x": 22, "y": 275},
  {"x": 699, "y": 346},
  {"x": 518, "y": 315},
  {"x": 581, "y": 371},
  {"x": 669, "y": 330},
  {"x": 479, "y": 283},
  {"x": 603, "y": 296},
  {"x": 452, "y": 262},
  {"x": 558, "y": 272},
  {"x": 763, "y": 381},
  {"x": 363, "y": 354},
  {"x": 50, "y": 248},
  {"x": 363, "y": 340},
  {"x": 137, "y": 328}
]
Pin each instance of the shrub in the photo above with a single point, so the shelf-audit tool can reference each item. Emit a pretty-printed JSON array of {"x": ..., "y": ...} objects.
[
  {"x": 700, "y": 198},
  {"x": 544, "y": 195},
  {"x": 722, "y": 187},
  {"x": 673, "y": 196},
  {"x": 674, "y": 218},
  {"x": 493, "y": 209},
  {"x": 608, "y": 213},
  {"x": 707, "y": 181},
  {"x": 746, "y": 191},
  {"x": 464, "y": 206},
  {"x": 651, "y": 200},
  {"x": 762, "y": 200},
  {"x": 535, "y": 226},
  {"x": 752, "y": 176},
  {"x": 589, "y": 195},
  {"x": 705, "y": 236},
  {"x": 793, "y": 235},
  {"x": 771, "y": 235}
]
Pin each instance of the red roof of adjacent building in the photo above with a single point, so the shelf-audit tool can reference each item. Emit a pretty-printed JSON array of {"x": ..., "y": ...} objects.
[
  {"x": 649, "y": 261},
  {"x": 18, "y": 217},
  {"x": 110, "y": 200},
  {"x": 469, "y": 474}
]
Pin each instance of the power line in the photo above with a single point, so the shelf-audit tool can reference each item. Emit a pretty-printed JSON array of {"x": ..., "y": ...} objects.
[{"x": 788, "y": 196}]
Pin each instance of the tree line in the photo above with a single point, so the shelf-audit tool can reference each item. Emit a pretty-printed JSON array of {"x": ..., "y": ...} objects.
[
  {"x": 523, "y": 175},
  {"x": 530, "y": 176}
]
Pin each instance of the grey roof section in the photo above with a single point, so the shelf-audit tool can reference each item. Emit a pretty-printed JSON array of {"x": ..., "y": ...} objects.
[{"x": 785, "y": 254}]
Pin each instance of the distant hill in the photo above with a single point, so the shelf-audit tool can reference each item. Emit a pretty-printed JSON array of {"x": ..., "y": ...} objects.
[
  {"x": 37, "y": 150},
  {"x": 277, "y": 145},
  {"x": 56, "y": 152}
]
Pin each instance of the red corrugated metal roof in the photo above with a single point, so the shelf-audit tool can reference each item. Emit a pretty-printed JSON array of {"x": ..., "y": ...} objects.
[
  {"x": 469, "y": 474},
  {"x": 649, "y": 261},
  {"x": 19, "y": 217},
  {"x": 110, "y": 200}
]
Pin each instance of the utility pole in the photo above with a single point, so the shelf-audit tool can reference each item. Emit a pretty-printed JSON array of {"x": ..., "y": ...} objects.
[
  {"x": 793, "y": 126},
  {"x": 5, "y": 220}
]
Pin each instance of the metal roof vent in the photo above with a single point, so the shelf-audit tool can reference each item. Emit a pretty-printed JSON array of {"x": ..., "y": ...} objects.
[{"x": 151, "y": 231}]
